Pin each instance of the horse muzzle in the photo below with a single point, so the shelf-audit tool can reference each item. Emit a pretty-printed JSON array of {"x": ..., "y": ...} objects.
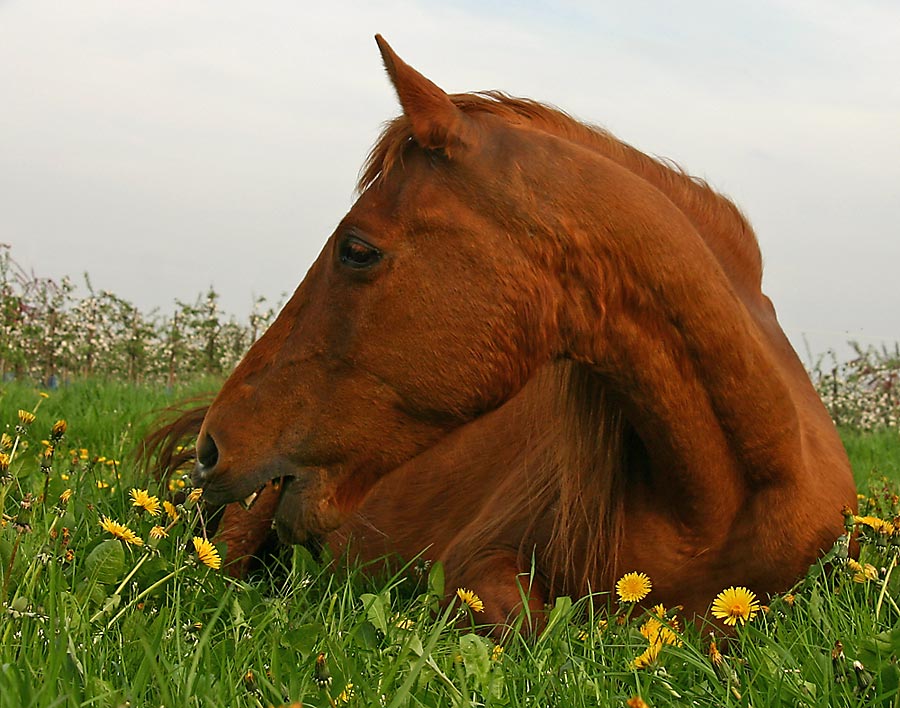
[{"x": 306, "y": 507}]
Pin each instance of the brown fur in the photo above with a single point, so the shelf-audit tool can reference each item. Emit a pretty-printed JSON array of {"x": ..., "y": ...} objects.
[{"x": 563, "y": 355}]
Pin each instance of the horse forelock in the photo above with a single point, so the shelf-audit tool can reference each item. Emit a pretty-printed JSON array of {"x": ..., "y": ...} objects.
[{"x": 716, "y": 218}]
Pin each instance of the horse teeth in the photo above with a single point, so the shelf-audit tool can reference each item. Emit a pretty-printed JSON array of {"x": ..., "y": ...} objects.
[{"x": 248, "y": 502}]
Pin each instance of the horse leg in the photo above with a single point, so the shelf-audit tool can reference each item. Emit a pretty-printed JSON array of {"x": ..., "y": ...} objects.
[
  {"x": 498, "y": 578},
  {"x": 244, "y": 531}
]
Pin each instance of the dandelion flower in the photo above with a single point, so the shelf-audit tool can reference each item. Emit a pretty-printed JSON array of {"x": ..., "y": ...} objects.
[
  {"x": 195, "y": 494},
  {"x": 636, "y": 702},
  {"x": 633, "y": 587},
  {"x": 142, "y": 498},
  {"x": 656, "y": 632},
  {"x": 159, "y": 532},
  {"x": 58, "y": 429},
  {"x": 497, "y": 652},
  {"x": 471, "y": 599},
  {"x": 44, "y": 395},
  {"x": 26, "y": 417},
  {"x": 4, "y": 462},
  {"x": 876, "y": 524},
  {"x": 207, "y": 553},
  {"x": 715, "y": 656},
  {"x": 5, "y": 441},
  {"x": 736, "y": 604},
  {"x": 862, "y": 573},
  {"x": 171, "y": 511},
  {"x": 648, "y": 657},
  {"x": 321, "y": 674},
  {"x": 65, "y": 496},
  {"x": 121, "y": 531},
  {"x": 345, "y": 695}
]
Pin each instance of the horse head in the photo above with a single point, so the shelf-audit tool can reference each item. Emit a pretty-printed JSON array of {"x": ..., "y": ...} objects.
[{"x": 421, "y": 313}]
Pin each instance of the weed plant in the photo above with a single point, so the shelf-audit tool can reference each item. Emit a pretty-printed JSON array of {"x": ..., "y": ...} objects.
[{"x": 112, "y": 595}]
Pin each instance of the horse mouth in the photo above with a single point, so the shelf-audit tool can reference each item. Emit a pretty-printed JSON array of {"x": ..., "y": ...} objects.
[{"x": 250, "y": 500}]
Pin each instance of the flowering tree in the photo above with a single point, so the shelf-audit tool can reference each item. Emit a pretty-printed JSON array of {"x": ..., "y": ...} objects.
[{"x": 49, "y": 333}]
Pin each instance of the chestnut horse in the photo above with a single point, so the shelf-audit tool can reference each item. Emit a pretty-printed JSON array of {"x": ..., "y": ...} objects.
[{"x": 529, "y": 343}]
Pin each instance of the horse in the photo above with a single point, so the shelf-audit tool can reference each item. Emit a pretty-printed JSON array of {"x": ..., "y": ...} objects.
[{"x": 530, "y": 351}]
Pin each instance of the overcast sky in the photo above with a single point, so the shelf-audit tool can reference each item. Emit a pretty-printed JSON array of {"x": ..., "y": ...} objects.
[{"x": 168, "y": 146}]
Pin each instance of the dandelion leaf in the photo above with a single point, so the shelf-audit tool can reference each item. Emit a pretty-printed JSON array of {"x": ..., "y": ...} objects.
[
  {"x": 303, "y": 639},
  {"x": 476, "y": 654},
  {"x": 436, "y": 579},
  {"x": 880, "y": 649},
  {"x": 105, "y": 563}
]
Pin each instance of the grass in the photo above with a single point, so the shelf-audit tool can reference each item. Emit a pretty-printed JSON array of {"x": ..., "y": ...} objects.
[{"x": 89, "y": 620}]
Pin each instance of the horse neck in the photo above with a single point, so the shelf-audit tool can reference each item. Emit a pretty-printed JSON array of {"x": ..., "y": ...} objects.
[{"x": 676, "y": 347}]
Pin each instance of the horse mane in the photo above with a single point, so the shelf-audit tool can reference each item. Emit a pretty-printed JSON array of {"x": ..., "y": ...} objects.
[{"x": 716, "y": 218}]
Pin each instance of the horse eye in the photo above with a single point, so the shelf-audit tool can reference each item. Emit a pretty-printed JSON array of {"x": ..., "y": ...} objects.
[{"x": 358, "y": 254}]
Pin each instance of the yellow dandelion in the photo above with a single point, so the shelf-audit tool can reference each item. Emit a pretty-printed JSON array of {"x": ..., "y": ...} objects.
[
  {"x": 100, "y": 460},
  {"x": 5, "y": 441},
  {"x": 142, "y": 498},
  {"x": 715, "y": 656},
  {"x": 58, "y": 429},
  {"x": 497, "y": 652},
  {"x": 862, "y": 573},
  {"x": 207, "y": 553},
  {"x": 101, "y": 484},
  {"x": 44, "y": 395},
  {"x": 636, "y": 702},
  {"x": 121, "y": 531},
  {"x": 159, "y": 532},
  {"x": 735, "y": 604},
  {"x": 470, "y": 599},
  {"x": 345, "y": 695},
  {"x": 195, "y": 494},
  {"x": 26, "y": 417},
  {"x": 65, "y": 496},
  {"x": 633, "y": 587},
  {"x": 171, "y": 511},
  {"x": 656, "y": 632},
  {"x": 648, "y": 657},
  {"x": 83, "y": 453},
  {"x": 4, "y": 462},
  {"x": 876, "y": 524}
]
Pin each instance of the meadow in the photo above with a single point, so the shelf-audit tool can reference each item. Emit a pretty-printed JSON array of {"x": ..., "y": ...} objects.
[
  {"x": 109, "y": 599},
  {"x": 111, "y": 593}
]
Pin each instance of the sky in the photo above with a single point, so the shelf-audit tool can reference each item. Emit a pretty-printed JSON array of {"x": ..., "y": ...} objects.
[{"x": 166, "y": 147}]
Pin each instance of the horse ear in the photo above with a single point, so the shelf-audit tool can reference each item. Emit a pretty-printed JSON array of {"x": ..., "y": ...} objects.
[{"x": 437, "y": 124}]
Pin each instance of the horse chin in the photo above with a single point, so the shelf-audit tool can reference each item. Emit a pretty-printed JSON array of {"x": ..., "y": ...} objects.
[{"x": 305, "y": 512}]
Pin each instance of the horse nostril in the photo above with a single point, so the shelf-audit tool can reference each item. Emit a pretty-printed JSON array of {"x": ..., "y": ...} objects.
[{"x": 207, "y": 452}]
